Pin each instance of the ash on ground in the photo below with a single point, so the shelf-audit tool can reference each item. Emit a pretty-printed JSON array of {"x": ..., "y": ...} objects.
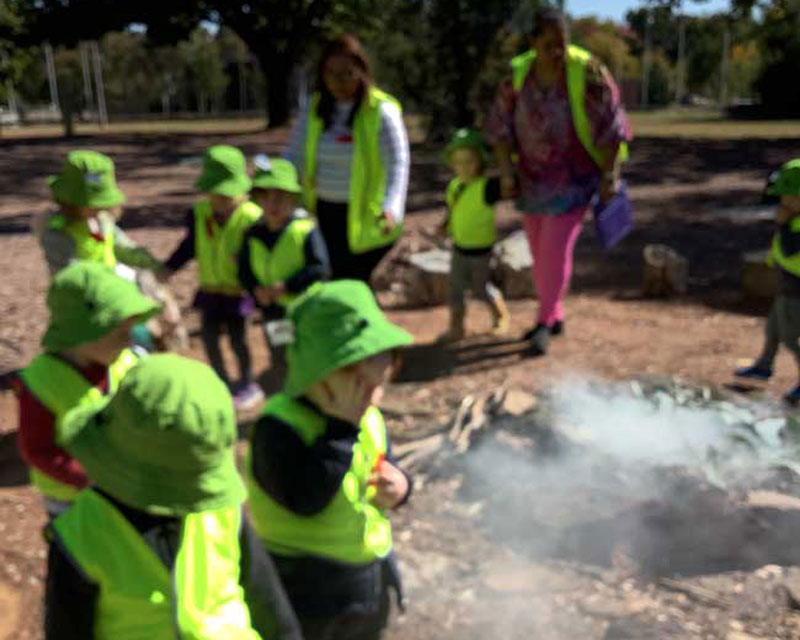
[{"x": 650, "y": 510}]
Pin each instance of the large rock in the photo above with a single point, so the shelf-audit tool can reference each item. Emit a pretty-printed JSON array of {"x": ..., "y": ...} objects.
[{"x": 513, "y": 262}]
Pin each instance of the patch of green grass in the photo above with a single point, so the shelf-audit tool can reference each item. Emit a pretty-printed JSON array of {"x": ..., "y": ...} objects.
[
  {"x": 707, "y": 123},
  {"x": 244, "y": 125}
]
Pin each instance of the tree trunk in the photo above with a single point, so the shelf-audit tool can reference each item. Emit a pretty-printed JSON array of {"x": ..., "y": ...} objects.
[{"x": 279, "y": 102}]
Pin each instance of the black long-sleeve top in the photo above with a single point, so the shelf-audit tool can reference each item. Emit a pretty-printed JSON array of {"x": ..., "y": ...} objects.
[
  {"x": 317, "y": 262},
  {"x": 185, "y": 251},
  {"x": 71, "y": 596},
  {"x": 302, "y": 478}
]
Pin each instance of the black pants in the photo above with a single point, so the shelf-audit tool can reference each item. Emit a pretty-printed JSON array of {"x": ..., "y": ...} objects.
[
  {"x": 345, "y": 265},
  {"x": 212, "y": 327},
  {"x": 339, "y": 602}
]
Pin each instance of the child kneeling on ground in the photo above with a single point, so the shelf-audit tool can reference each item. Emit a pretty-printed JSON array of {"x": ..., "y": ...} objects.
[
  {"x": 86, "y": 355},
  {"x": 470, "y": 221},
  {"x": 159, "y": 546},
  {"x": 215, "y": 229},
  {"x": 283, "y": 253},
  {"x": 320, "y": 473},
  {"x": 783, "y": 325}
]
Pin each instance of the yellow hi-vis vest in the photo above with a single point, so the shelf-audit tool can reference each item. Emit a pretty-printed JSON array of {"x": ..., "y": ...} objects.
[
  {"x": 365, "y": 229},
  {"x": 471, "y": 222},
  {"x": 139, "y": 597},
  {"x": 577, "y": 62},
  {"x": 777, "y": 258},
  {"x": 87, "y": 247},
  {"x": 216, "y": 247},
  {"x": 286, "y": 257},
  {"x": 60, "y": 388},
  {"x": 349, "y": 529}
]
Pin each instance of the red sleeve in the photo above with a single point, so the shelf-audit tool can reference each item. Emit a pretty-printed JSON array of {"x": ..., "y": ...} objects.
[{"x": 37, "y": 446}]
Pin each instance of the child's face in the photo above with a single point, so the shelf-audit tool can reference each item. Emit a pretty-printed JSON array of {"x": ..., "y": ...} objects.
[
  {"x": 466, "y": 164},
  {"x": 347, "y": 393},
  {"x": 278, "y": 206},
  {"x": 788, "y": 208},
  {"x": 106, "y": 350},
  {"x": 551, "y": 46},
  {"x": 223, "y": 205}
]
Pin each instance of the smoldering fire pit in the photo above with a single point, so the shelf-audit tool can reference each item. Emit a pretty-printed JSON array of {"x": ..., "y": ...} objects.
[{"x": 616, "y": 501}]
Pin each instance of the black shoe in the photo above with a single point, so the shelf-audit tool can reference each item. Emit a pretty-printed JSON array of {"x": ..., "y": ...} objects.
[
  {"x": 556, "y": 330},
  {"x": 540, "y": 340}
]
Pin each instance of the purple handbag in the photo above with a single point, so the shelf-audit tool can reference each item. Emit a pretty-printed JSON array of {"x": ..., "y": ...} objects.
[{"x": 614, "y": 219}]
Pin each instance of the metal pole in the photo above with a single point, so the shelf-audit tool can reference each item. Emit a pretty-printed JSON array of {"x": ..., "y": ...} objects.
[
  {"x": 87, "y": 76},
  {"x": 723, "y": 70},
  {"x": 98, "y": 82},
  {"x": 648, "y": 46},
  {"x": 50, "y": 67},
  {"x": 680, "y": 93}
]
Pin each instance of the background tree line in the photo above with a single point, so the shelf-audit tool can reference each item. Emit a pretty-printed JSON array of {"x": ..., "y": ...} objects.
[{"x": 443, "y": 58}]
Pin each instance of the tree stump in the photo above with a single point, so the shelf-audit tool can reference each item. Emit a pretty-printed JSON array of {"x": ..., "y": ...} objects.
[
  {"x": 758, "y": 279},
  {"x": 428, "y": 278},
  {"x": 665, "y": 271}
]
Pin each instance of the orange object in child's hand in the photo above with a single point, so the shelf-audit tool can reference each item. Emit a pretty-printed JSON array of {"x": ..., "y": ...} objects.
[{"x": 373, "y": 481}]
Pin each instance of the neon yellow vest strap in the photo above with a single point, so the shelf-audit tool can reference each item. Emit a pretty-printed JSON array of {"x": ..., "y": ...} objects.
[
  {"x": 216, "y": 247},
  {"x": 61, "y": 389},
  {"x": 87, "y": 247},
  {"x": 777, "y": 257},
  {"x": 471, "y": 218},
  {"x": 201, "y": 598},
  {"x": 577, "y": 62},
  {"x": 365, "y": 229},
  {"x": 286, "y": 258},
  {"x": 349, "y": 529}
]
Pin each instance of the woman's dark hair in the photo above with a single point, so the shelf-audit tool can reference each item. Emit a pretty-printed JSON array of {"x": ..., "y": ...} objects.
[
  {"x": 549, "y": 18},
  {"x": 349, "y": 46}
]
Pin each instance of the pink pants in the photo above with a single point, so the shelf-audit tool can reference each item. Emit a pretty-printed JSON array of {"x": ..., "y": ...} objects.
[{"x": 552, "y": 241}]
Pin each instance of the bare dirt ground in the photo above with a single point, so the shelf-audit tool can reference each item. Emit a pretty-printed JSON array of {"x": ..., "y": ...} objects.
[{"x": 612, "y": 333}]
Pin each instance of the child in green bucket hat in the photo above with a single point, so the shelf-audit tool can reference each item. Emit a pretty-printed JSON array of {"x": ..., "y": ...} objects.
[
  {"x": 159, "y": 546},
  {"x": 86, "y": 355},
  {"x": 216, "y": 226},
  {"x": 783, "y": 325},
  {"x": 470, "y": 221},
  {"x": 84, "y": 227},
  {"x": 320, "y": 473},
  {"x": 283, "y": 254}
]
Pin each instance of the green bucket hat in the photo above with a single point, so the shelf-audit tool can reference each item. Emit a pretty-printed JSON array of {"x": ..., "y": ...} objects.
[
  {"x": 87, "y": 300},
  {"x": 466, "y": 139},
  {"x": 788, "y": 180},
  {"x": 275, "y": 173},
  {"x": 165, "y": 442},
  {"x": 87, "y": 180},
  {"x": 224, "y": 172},
  {"x": 336, "y": 324}
]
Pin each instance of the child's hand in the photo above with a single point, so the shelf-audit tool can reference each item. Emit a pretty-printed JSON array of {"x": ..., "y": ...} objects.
[
  {"x": 388, "y": 221},
  {"x": 264, "y": 296},
  {"x": 508, "y": 187},
  {"x": 391, "y": 486}
]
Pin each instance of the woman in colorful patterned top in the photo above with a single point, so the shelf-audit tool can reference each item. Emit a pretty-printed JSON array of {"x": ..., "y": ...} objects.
[{"x": 561, "y": 114}]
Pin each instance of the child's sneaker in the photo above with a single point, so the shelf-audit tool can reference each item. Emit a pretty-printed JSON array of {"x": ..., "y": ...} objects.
[
  {"x": 754, "y": 373},
  {"x": 248, "y": 397},
  {"x": 793, "y": 397}
]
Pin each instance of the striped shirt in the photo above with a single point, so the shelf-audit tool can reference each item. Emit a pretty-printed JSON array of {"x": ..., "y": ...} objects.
[{"x": 335, "y": 156}]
